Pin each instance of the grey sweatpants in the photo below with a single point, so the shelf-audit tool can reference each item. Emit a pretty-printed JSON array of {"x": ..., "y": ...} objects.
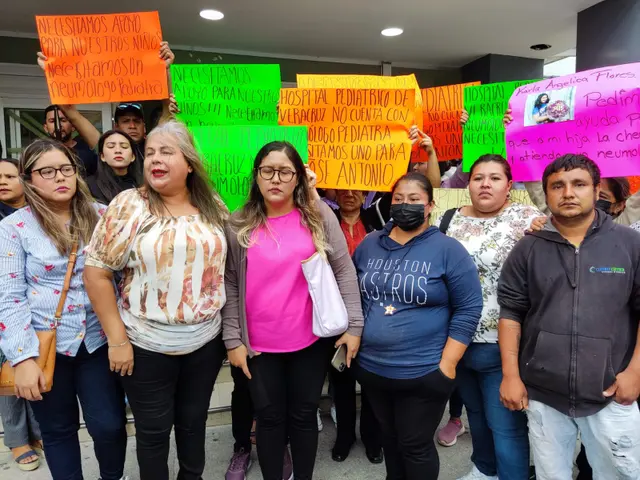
[{"x": 20, "y": 426}]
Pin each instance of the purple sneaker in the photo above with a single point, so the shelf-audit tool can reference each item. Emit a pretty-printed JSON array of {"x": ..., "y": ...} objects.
[
  {"x": 287, "y": 466},
  {"x": 239, "y": 465}
]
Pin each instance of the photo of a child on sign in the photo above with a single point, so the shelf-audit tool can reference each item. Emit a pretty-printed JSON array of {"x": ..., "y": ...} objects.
[{"x": 550, "y": 107}]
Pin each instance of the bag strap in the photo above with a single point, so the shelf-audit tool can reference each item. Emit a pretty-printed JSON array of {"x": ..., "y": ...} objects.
[
  {"x": 446, "y": 219},
  {"x": 67, "y": 282}
]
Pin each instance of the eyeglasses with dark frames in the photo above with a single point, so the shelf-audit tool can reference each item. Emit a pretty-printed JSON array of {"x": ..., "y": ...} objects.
[
  {"x": 50, "y": 172},
  {"x": 285, "y": 175}
]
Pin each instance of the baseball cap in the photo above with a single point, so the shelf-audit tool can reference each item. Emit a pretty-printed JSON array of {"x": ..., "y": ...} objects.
[{"x": 123, "y": 108}]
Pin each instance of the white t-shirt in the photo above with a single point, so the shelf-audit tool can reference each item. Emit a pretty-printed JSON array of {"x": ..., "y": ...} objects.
[{"x": 489, "y": 241}]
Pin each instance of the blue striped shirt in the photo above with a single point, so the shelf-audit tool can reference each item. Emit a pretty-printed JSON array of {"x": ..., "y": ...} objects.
[{"x": 31, "y": 279}]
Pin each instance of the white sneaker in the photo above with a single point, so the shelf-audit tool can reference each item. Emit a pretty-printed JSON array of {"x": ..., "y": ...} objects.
[
  {"x": 320, "y": 424},
  {"x": 333, "y": 415},
  {"x": 476, "y": 474}
]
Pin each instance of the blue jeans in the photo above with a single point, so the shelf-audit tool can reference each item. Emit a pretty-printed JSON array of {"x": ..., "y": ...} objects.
[
  {"x": 499, "y": 436},
  {"x": 611, "y": 438},
  {"x": 85, "y": 377}
]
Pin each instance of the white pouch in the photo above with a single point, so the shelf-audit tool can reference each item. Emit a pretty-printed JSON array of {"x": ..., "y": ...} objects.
[{"x": 329, "y": 313}]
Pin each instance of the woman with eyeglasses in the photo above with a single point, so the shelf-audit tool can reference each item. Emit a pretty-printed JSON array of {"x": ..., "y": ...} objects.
[
  {"x": 164, "y": 332},
  {"x": 116, "y": 167},
  {"x": 36, "y": 245},
  {"x": 268, "y": 316}
]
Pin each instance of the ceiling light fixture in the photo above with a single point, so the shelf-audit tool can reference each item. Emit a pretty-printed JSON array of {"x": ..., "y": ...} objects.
[
  {"x": 540, "y": 46},
  {"x": 212, "y": 15},
  {"x": 392, "y": 32}
]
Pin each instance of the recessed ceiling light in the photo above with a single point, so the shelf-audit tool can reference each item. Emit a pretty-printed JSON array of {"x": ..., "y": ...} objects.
[
  {"x": 392, "y": 32},
  {"x": 540, "y": 46},
  {"x": 211, "y": 15}
]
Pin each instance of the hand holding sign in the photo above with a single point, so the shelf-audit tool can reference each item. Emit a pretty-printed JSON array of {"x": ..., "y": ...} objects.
[
  {"x": 211, "y": 95},
  {"x": 484, "y": 132},
  {"x": 357, "y": 138},
  {"x": 166, "y": 54},
  {"x": 228, "y": 154},
  {"x": 103, "y": 58},
  {"x": 442, "y": 109},
  {"x": 595, "y": 113}
]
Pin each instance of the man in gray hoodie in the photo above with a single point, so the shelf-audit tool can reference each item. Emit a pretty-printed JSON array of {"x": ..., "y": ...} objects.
[{"x": 568, "y": 332}]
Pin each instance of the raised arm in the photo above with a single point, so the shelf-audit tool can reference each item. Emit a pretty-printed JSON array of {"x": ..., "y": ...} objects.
[
  {"x": 169, "y": 57},
  {"x": 83, "y": 126},
  {"x": 424, "y": 141}
]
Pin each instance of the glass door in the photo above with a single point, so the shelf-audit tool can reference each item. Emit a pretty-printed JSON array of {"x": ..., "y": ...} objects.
[{"x": 21, "y": 122}]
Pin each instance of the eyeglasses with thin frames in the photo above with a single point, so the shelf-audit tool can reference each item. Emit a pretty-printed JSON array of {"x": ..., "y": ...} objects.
[
  {"x": 285, "y": 176},
  {"x": 50, "y": 172}
]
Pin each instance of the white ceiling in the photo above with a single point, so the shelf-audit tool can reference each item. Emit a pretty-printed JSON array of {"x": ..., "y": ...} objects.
[{"x": 438, "y": 33}]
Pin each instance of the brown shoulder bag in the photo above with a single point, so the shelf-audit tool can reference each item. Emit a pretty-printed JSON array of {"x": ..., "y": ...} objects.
[{"x": 47, "y": 352}]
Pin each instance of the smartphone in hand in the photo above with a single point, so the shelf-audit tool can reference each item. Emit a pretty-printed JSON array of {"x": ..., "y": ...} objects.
[{"x": 339, "y": 361}]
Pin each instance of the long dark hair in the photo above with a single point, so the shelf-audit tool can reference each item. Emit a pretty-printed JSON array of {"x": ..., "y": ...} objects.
[
  {"x": 539, "y": 103},
  {"x": 106, "y": 178},
  {"x": 254, "y": 213}
]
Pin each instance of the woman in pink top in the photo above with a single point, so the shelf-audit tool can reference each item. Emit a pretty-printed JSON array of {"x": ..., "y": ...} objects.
[{"x": 267, "y": 320}]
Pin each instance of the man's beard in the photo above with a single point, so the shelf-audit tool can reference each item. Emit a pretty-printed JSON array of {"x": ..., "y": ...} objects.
[{"x": 64, "y": 138}]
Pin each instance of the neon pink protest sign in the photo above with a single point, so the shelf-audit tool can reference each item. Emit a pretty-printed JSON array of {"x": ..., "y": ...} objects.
[{"x": 595, "y": 113}]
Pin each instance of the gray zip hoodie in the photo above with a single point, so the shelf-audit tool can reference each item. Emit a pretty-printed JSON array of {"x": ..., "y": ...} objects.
[{"x": 579, "y": 312}]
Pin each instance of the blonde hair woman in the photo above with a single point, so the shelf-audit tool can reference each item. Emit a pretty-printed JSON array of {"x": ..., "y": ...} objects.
[
  {"x": 268, "y": 315},
  {"x": 35, "y": 247},
  {"x": 167, "y": 241}
]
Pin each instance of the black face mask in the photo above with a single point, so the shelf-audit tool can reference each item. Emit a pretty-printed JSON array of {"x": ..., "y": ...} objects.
[
  {"x": 605, "y": 206},
  {"x": 407, "y": 217}
]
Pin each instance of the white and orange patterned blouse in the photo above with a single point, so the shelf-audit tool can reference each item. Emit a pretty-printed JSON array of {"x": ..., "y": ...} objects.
[{"x": 172, "y": 287}]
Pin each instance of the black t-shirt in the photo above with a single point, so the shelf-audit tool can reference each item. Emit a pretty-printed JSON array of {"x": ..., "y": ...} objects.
[
  {"x": 138, "y": 149},
  {"x": 88, "y": 157}
]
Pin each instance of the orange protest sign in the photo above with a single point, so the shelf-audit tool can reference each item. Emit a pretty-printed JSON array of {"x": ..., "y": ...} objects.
[
  {"x": 442, "y": 109},
  {"x": 103, "y": 58},
  {"x": 365, "y": 81},
  {"x": 358, "y": 139}
]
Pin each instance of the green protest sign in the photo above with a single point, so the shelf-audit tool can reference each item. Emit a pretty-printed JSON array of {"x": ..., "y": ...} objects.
[
  {"x": 228, "y": 154},
  {"x": 484, "y": 132},
  {"x": 227, "y": 94}
]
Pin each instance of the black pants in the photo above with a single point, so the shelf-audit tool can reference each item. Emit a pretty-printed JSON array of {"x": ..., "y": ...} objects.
[
  {"x": 409, "y": 412},
  {"x": 344, "y": 393},
  {"x": 286, "y": 390},
  {"x": 241, "y": 411},
  {"x": 455, "y": 404},
  {"x": 168, "y": 391}
]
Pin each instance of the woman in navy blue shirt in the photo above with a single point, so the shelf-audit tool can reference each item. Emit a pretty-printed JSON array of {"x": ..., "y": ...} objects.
[{"x": 422, "y": 301}]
